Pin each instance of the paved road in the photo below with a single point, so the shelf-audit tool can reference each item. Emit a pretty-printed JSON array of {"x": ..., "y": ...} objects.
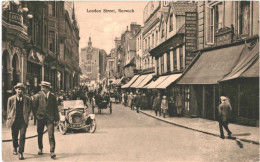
[{"x": 128, "y": 136}]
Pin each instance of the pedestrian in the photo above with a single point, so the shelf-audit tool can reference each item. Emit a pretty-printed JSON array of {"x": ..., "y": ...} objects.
[
  {"x": 179, "y": 104},
  {"x": 157, "y": 105},
  {"x": 137, "y": 101},
  {"x": 171, "y": 107},
  {"x": 131, "y": 100},
  {"x": 125, "y": 99},
  {"x": 144, "y": 102},
  {"x": 47, "y": 115},
  {"x": 18, "y": 111},
  {"x": 164, "y": 105},
  {"x": 224, "y": 112}
]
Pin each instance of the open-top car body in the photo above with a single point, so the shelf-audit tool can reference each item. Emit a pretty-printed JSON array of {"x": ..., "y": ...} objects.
[{"x": 73, "y": 115}]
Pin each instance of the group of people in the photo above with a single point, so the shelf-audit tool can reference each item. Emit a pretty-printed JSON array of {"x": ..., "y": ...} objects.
[
  {"x": 161, "y": 105},
  {"x": 45, "y": 107}
]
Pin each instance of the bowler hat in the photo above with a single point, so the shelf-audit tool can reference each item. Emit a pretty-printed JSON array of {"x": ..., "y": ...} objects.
[
  {"x": 19, "y": 85},
  {"x": 45, "y": 84}
]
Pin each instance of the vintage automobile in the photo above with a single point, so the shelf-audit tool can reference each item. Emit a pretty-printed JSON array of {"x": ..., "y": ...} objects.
[{"x": 73, "y": 115}]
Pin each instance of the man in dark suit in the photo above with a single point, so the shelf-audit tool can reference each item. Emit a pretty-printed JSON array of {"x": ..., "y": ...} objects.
[
  {"x": 47, "y": 114},
  {"x": 18, "y": 112}
]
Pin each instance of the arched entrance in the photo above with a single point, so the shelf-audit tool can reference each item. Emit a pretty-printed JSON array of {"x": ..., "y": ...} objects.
[
  {"x": 15, "y": 66},
  {"x": 5, "y": 78}
]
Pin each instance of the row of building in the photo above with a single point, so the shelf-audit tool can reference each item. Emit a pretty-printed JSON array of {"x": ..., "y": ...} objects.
[
  {"x": 40, "y": 41},
  {"x": 202, "y": 50}
]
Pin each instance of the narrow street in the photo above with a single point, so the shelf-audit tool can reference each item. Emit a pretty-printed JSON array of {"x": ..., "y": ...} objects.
[{"x": 125, "y": 135}]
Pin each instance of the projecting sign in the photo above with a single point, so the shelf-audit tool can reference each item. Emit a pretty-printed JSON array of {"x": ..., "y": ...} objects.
[{"x": 190, "y": 35}]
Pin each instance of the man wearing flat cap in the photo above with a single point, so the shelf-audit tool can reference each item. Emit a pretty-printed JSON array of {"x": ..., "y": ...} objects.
[
  {"x": 47, "y": 115},
  {"x": 18, "y": 112}
]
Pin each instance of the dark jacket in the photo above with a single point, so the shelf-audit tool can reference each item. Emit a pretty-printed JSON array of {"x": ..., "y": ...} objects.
[
  {"x": 47, "y": 109},
  {"x": 157, "y": 103},
  {"x": 11, "y": 109}
]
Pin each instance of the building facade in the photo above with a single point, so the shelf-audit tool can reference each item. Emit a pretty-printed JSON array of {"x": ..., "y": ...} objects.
[
  {"x": 233, "y": 35},
  {"x": 35, "y": 55},
  {"x": 93, "y": 62}
]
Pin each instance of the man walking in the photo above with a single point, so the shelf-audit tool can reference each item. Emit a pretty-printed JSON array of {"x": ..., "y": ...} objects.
[
  {"x": 18, "y": 112},
  {"x": 157, "y": 104},
  {"x": 47, "y": 115},
  {"x": 224, "y": 111}
]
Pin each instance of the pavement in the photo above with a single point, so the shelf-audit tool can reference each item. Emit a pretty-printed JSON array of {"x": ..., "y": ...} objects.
[
  {"x": 239, "y": 132},
  {"x": 31, "y": 132}
]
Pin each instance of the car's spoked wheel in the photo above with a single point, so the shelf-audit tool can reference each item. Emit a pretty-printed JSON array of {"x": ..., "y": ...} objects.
[
  {"x": 63, "y": 127},
  {"x": 93, "y": 126}
]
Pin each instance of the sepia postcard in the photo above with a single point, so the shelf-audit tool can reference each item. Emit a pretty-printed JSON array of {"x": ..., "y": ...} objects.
[{"x": 130, "y": 80}]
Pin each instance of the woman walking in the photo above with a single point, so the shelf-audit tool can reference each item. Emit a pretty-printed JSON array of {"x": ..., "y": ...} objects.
[{"x": 164, "y": 105}]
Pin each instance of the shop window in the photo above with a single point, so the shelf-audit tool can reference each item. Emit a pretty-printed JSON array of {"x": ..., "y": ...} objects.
[
  {"x": 168, "y": 62},
  {"x": 171, "y": 23},
  {"x": 244, "y": 18},
  {"x": 214, "y": 20},
  {"x": 187, "y": 97}
]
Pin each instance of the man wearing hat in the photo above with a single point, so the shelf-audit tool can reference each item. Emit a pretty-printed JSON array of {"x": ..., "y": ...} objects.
[
  {"x": 47, "y": 114},
  {"x": 18, "y": 112},
  {"x": 224, "y": 111}
]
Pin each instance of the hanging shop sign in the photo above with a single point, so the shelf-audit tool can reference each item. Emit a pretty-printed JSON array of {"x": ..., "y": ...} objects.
[{"x": 190, "y": 35}]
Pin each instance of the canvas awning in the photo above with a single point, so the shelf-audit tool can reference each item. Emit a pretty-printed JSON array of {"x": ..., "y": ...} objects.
[
  {"x": 157, "y": 82},
  {"x": 169, "y": 80},
  {"x": 138, "y": 81},
  {"x": 145, "y": 81},
  {"x": 212, "y": 66},
  {"x": 247, "y": 65},
  {"x": 130, "y": 82}
]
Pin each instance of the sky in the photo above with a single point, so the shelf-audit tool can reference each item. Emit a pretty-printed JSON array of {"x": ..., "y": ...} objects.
[{"x": 104, "y": 27}]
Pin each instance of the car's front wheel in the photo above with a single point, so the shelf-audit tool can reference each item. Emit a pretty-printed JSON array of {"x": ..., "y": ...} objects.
[
  {"x": 63, "y": 127},
  {"x": 93, "y": 126}
]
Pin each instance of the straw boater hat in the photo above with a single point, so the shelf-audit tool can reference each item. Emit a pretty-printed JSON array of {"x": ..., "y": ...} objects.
[
  {"x": 45, "y": 84},
  {"x": 164, "y": 97},
  {"x": 19, "y": 85}
]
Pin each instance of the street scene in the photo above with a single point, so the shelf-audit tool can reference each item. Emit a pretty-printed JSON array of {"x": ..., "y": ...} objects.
[
  {"x": 125, "y": 134},
  {"x": 130, "y": 80}
]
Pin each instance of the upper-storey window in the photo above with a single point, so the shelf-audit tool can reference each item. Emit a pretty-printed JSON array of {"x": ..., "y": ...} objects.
[
  {"x": 162, "y": 29},
  {"x": 89, "y": 57},
  {"x": 171, "y": 22},
  {"x": 244, "y": 17},
  {"x": 52, "y": 8},
  {"x": 156, "y": 38},
  {"x": 52, "y": 41},
  {"x": 152, "y": 40},
  {"x": 214, "y": 20}
]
